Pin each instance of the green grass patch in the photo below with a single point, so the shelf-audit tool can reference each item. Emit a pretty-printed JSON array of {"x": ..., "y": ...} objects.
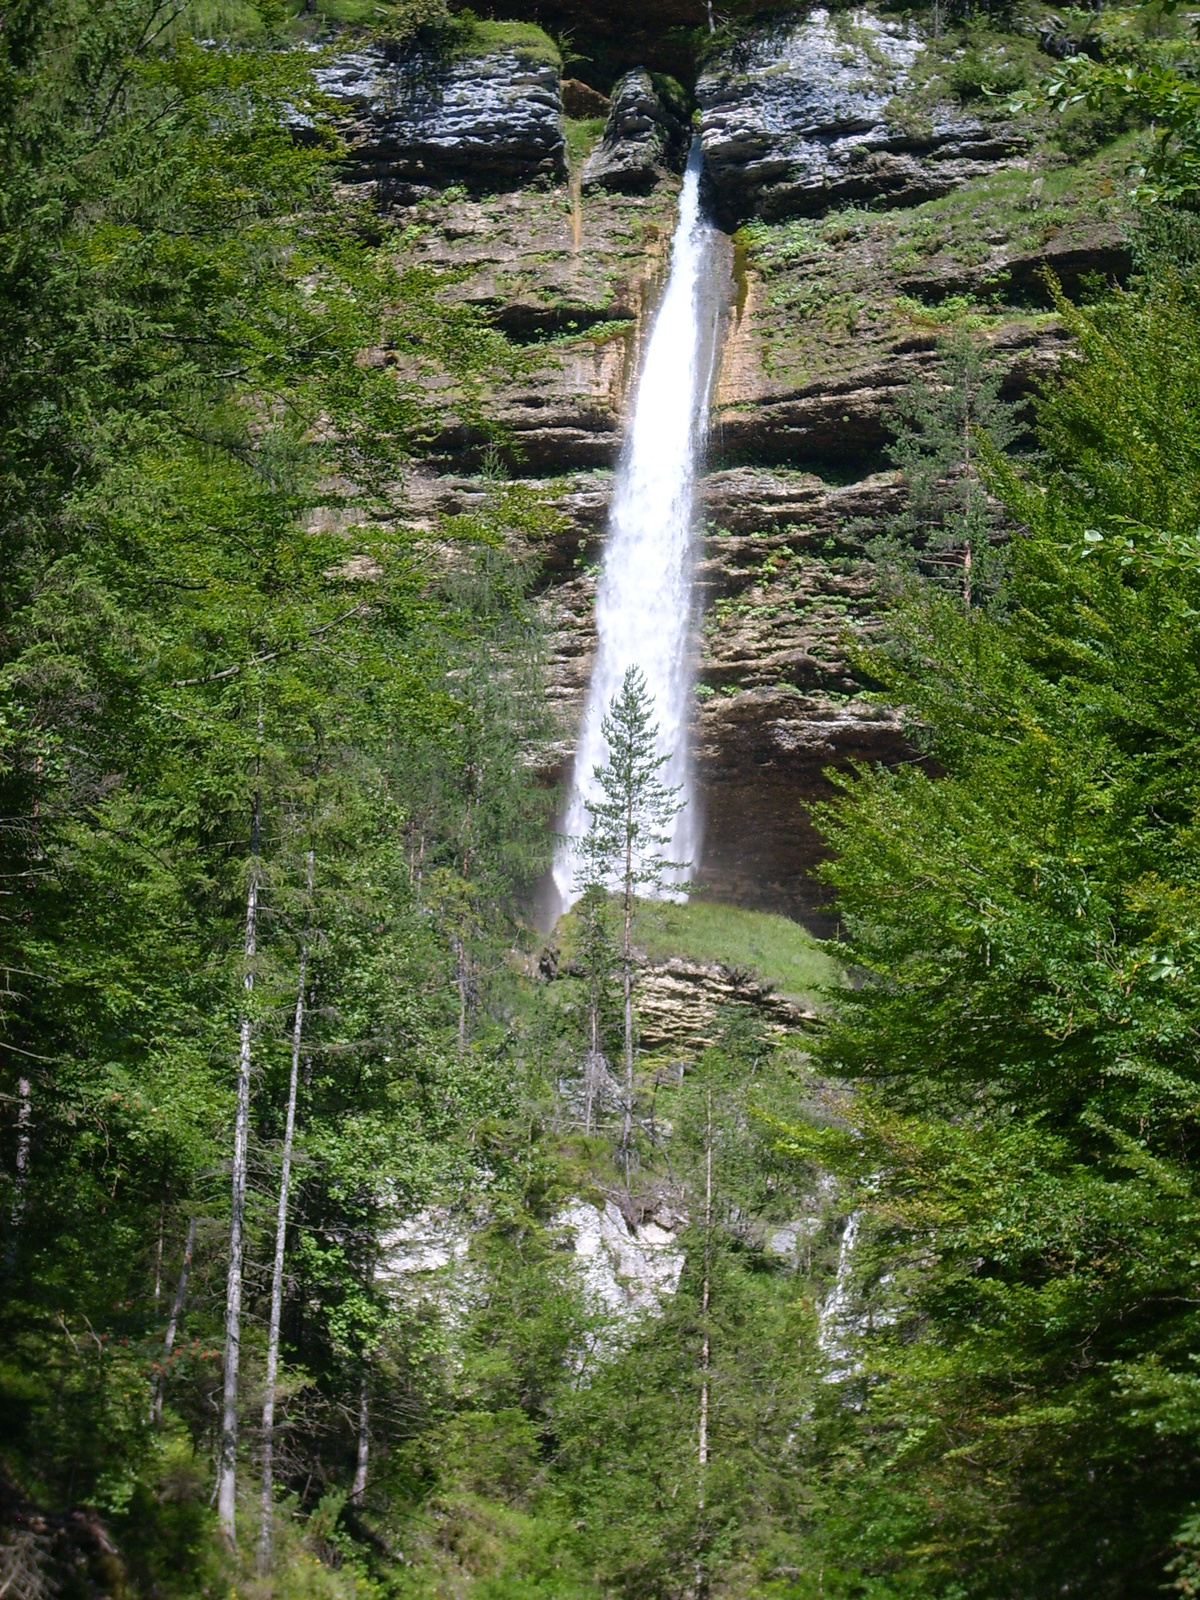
[
  {"x": 458, "y": 36},
  {"x": 775, "y": 949},
  {"x": 525, "y": 38},
  {"x": 353, "y": 13},
  {"x": 583, "y": 134}
]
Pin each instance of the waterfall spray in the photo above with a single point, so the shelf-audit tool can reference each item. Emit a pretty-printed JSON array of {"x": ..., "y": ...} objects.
[{"x": 644, "y": 602}]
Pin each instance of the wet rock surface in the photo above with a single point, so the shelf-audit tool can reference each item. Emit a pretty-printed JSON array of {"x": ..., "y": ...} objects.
[
  {"x": 808, "y": 115},
  {"x": 645, "y": 137},
  {"x": 491, "y": 122}
]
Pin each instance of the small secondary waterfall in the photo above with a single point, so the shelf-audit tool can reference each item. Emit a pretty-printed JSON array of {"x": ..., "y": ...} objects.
[{"x": 644, "y": 602}]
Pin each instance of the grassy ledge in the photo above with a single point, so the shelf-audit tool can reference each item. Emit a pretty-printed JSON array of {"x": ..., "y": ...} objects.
[
  {"x": 775, "y": 949},
  {"x": 525, "y": 39}
]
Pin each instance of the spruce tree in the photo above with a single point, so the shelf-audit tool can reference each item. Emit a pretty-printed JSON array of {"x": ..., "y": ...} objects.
[
  {"x": 628, "y": 835},
  {"x": 936, "y": 427}
]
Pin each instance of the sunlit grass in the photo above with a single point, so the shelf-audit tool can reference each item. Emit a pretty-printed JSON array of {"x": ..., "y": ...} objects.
[{"x": 774, "y": 949}]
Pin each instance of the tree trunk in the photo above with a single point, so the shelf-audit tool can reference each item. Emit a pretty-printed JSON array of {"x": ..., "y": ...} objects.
[
  {"x": 966, "y": 583},
  {"x": 627, "y": 969},
  {"x": 460, "y": 964},
  {"x": 21, "y": 1176},
  {"x": 227, "y": 1458},
  {"x": 701, "y": 1576},
  {"x": 593, "y": 1059},
  {"x": 173, "y": 1324},
  {"x": 358, "y": 1488},
  {"x": 267, "y": 1512},
  {"x": 158, "y": 1254},
  {"x": 704, "y": 1348}
]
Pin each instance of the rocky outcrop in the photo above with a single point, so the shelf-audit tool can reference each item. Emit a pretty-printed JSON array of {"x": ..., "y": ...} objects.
[
  {"x": 680, "y": 1002},
  {"x": 1098, "y": 251},
  {"x": 579, "y": 296},
  {"x": 646, "y": 137},
  {"x": 490, "y": 122},
  {"x": 1056, "y": 38},
  {"x": 627, "y": 1268},
  {"x": 765, "y": 414},
  {"x": 808, "y": 115},
  {"x": 832, "y": 314},
  {"x": 762, "y": 759}
]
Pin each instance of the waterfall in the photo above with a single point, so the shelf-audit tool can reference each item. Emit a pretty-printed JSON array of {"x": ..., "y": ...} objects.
[{"x": 644, "y": 601}]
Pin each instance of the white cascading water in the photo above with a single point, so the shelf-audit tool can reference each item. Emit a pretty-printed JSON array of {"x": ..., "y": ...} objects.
[{"x": 644, "y": 602}]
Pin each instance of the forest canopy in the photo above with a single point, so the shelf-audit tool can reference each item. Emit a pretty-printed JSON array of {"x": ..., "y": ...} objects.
[{"x": 276, "y": 1019}]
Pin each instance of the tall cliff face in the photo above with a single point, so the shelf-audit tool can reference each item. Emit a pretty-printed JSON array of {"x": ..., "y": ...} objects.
[
  {"x": 807, "y": 115},
  {"x": 874, "y": 213}
]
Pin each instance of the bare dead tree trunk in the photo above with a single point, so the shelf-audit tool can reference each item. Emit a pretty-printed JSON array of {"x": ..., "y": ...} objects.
[
  {"x": 227, "y": 1457},
  {"x": 173, "y": 1324},
  {"x": 24, "y": 1146},
  {"x": 358, "y": 1488},
  {"x": 627, "y": 972},
  {"x": 460, "y": 965},
  {"x": 712, "y": 27},
  {"x": 966, "y": 584},
  {"x": 705, "y": 1348},
  {"x": 593, "y": 1060},
  {"x": 267, "y": 1511},
  {"x": 158, "y": 1253}
]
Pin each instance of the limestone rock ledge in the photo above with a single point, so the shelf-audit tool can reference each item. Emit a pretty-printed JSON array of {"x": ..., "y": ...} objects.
[
  {"x": 802, "y": 116},
  {"x": 646, "y": 137},
  {"x": 679, "y": 1003},
  {"x": 579, "y": 305},
  {"x": 490, "y": 122}
]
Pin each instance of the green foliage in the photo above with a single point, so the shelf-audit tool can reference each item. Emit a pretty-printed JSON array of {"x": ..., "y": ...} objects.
[
  {"x": 977, "y": 73},
  {"x": 626, "y": 838},
  {"x": 526, "y": 39},
  {"x": 774, "y": 948},
  {"x": 1150, "y": 89},
  {"x": 1021, "y": 1139},
  {"x": 936, "y": 434},
  {"x": 210, "y": 615},
  {"x": 568, "y": 1464},
  {"x": 583, "y": 134}
]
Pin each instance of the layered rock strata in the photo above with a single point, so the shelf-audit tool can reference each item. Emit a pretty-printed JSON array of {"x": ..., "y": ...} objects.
[
  {"x": 491, "y": 122},
  {"x": 577, "y": 302},
  {"x": 831, "y": 317},
  {"x": 680, "y": 1004},
  {"x": 807, "y": 115},
  {"x": 645, "y": 137}
]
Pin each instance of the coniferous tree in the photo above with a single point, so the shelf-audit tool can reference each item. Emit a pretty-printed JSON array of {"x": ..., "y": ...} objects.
[
  {"x": 1021, "y": 1143},
  {"x": 948, "y": 518},
  {"x": 628, "y": 834}
]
